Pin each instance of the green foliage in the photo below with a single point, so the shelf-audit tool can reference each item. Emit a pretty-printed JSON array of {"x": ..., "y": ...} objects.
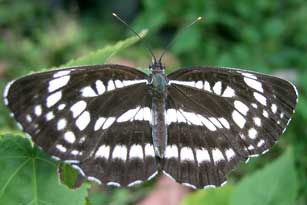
[
  {"x": 68, "y": 175},
  {"x": 218, "y": 196},
  {"x": 268, "y": 186},
  {"x": 264, "y": 187},
  {"x": 103, "y": 55},
  {"x": 28, "y": 176}
]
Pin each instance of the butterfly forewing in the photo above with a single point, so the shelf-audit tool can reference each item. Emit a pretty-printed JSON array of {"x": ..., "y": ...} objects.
[
  {"x": 95, "y": 117},
  {"x": 218, "y": 117}
]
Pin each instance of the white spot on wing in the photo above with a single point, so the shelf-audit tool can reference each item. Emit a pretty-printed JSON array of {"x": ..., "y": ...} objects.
[
  {"x": 139, "y": 115},
  {"x": 83, "y": 120},
  {"x": 224, "y": 122},
  {"x": 249, "y": 75},
  {"x": 29, "y": 118},
  {"x": 257, "y": 121},
  {"x": 265, "y": 114},
  {"x": 61, "y": 124},
  {"x": 78, "y": 108},
  {"x": 192, "y": 118},
  {"x": 229, "y": 92},
  {"x": 230, "y": 154},
  {"x": 99, "y": 123},
  {"x": 38, "y": 110},
  {"x": 49, "y": 116},
  {"x": 260, "y": 143},
  {"x": 186, "y": 83},
  {"x": 282, "y": 115},
  {"x": 171, "y": 151},
  {"x": 180, "y": 117},
  {"x": 88, "y": 92},
  {"x": 61, "y": 107},
  {"x": 108, "y": 122},
  {"x": 186, "y": 153},
  {"x": 54, "y": 98},
  {"x": 171, "y": 116},
  {"x": 100, "y": 87},
  {"x": 136, "y": 151},
  {"x": 238, "y": 119},
  {"x": 61, "y": 148},
  {"x": 199, "y": 84},
  {"x": 274, "y": 108},
  {"x": 252, "y": 133},
  {"x": 217, "y": 88},
  {"x": 254, "y": 84},
  {"x": 128, "y": 115},
  {"x": 260, "y": 98},
  {"x": 202, "y": 155},
  {"x": 207, "y": 86},
  {"x": 118, "y": 84},
  {"x": 111, "y": 85},
  {"x": 75, "y": 152},
  {"x": 103, "y": 152},
  {"x": 119, "y": 152},
  {"x": 250, "y": 147},
  {"x": 217, "y": 155},
  {"x": 241, "y": 107},
  {"x": 61, "y": 73},
  {"x": 149, "y": 150},
  {"x": 58, "y": 83},
  {"x": 216, "y": 122},
  {"x": 207, "y": 123},
  {"x": 147, "y": 114},
  {"x": 254, "y": 105},
  {"x": 69, "y": 137},
  {"x": 132, "y": 82}
]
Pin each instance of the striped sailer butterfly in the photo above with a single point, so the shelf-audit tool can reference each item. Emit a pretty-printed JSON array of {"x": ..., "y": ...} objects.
[{"x": 119, "y": 126}]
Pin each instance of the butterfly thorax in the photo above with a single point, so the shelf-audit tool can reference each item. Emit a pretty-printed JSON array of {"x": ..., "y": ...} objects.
[{"x": 158, "y": 84}]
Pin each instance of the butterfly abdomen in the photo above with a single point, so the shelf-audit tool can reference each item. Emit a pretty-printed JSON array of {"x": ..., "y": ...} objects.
[{"x": 159, "y": 129}]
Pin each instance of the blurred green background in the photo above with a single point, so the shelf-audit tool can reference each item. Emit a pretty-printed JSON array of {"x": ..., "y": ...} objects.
[{"x": 265, "y": 36}]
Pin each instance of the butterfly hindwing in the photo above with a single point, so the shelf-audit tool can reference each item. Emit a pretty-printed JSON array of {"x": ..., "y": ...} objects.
[
  {"x": 218, "y": 117},
  {"x": 95, "y": 117}
]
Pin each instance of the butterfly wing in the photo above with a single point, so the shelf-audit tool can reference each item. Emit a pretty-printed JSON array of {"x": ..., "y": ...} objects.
[
  {"x": 218, "y": 117},
  {"x": 94, "y": 117}
]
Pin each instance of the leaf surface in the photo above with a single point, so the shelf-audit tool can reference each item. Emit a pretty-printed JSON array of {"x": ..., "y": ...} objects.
[
  {"x": 29, "y": 177},
  {"x": 275, "y": 184},
  {"x": 101, "y": 56}
]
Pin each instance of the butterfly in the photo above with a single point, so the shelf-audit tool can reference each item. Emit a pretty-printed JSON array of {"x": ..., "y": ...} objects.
[{"x": 120, "y": 127}]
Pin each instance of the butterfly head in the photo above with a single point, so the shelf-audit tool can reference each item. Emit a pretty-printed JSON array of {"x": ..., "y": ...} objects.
[{"x": 157, "y": 67}]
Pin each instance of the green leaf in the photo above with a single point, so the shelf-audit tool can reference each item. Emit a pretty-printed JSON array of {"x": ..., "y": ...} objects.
[
  {"x": 276, "y": 184},
  {"x": 102, "y": 55},
  {"x": 218, "y": 196},
  {"x": 70, "y": 176},
  {"x": 28, "y": 176}
]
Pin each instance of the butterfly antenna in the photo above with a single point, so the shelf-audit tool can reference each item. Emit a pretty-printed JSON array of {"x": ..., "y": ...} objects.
[
  {"x": 178, "y": 34},
  {"x": 131, "y": 29}
]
